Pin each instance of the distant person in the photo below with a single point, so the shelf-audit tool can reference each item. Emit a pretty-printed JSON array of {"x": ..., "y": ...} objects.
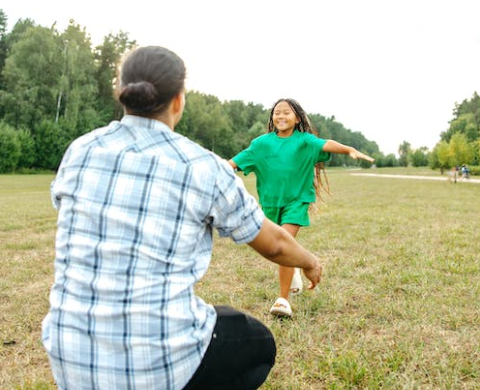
[
  {"x": 286, "y": 164},
  {"x": 465, "y": 172},
  {"x": 452, "y": 175},
  {"x": 137, "y": 204}
]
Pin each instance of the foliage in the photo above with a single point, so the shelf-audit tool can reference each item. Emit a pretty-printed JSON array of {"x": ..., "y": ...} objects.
[
  {"x": 460, "y": 144},
  {"x": 53, "y": 87},
  {"x": 418, "y": 157},
  {"x": 51, "y": 143},
  {"x": 10, "y": 148},
  {"x": 454, "y": 153},
  {"x": 49, "y": 76},
  {"x": 28, "y": 154},
  {"x": 107, "y": 58},
  {"x": 30, "y": 72},
  {"x": 403, "y": 151},
  {"x": 17, "y": 149},
  {"x": 388, "y": 161},
  {"x": 3, "y": 44},
  {"x": 474, "y": 170},
  {"x": 461, "y": 151}
]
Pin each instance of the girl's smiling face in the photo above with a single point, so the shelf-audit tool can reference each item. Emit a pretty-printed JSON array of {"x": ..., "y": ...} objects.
[{"x": 284, "y": 119}]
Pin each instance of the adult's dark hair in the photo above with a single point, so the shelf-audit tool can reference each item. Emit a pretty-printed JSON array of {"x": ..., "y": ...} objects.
[{"x": 149, "y": 78}]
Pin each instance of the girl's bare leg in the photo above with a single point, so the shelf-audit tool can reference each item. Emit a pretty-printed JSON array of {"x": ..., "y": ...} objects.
[{"x": 286, "y": 273}]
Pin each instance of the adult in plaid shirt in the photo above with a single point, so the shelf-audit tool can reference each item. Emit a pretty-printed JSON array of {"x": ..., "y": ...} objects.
[{"x": 137, "y": 204}]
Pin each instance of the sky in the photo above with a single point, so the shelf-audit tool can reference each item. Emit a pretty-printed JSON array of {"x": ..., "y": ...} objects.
[{"x": 392, "y": 70}]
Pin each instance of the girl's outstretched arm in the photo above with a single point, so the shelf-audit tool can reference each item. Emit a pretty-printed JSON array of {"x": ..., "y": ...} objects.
[
  {"x": 332, "y": 146},
  {"x": 232, "y": 163}
]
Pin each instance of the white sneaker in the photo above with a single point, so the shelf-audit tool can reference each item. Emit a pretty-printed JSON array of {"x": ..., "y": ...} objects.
[
  {"x": 296, "y": 286},
  {"x": 281, "y": 308}
]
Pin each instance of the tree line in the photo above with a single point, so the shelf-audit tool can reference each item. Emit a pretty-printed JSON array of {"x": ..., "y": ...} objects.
[
  {"x": 460, "y": 144},
  {"x": 55, "y": 86}
]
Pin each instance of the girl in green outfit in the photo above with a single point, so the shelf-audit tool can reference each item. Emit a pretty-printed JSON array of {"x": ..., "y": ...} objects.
[{"x": 286, "y": 163}]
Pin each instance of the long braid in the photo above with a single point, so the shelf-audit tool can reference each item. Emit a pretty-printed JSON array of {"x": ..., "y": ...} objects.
[{"x": 304, "y": 126}]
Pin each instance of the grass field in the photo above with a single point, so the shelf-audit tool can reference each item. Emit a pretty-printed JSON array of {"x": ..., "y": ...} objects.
[{"x": 398, "y": 306}]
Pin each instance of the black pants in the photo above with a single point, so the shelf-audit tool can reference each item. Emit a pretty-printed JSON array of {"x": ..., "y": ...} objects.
[{"x": 240, "y": 355}]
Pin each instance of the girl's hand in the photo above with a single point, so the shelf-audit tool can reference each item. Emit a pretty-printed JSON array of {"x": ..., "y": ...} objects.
[
  {"x": 332, "y": 146},
  {"x": 355, "y": 154}
]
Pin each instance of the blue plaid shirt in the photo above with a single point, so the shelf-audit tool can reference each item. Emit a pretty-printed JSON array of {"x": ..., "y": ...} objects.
[{"x": 137, "y": 205}]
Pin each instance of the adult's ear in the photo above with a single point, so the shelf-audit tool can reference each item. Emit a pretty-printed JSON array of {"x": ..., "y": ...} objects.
[{"x": 178, "y": 105}]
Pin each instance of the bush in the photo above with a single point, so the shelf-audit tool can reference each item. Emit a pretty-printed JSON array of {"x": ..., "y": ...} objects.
[
  {"x": 474, "y": 170},
  {"x": 50, "y": 144},
  {"x": 27, "y": 149},
  {"x": 10, "y": 148}
]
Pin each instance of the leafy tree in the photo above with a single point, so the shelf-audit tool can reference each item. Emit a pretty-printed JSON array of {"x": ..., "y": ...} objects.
[
  {"x": 390, "y": 160},
  {"x": 461, "y": 151},
  {"x": 30, "y": 76},
  {"x": 207, "y": 123},
  {"x": 107, "y": 57},
  {"x": 319, "y": 123},
  {"x": 248, "y": 121},
  {"x": 8, "y": 39},
  {"x": 256, "y": 113},
  {"x": 379, "y": 159},
  {"x": 55, "y": 88},
  {"x": 256, "y": 130},
  {"x": 419, "y": 157},
  {"x": 403, "y": 151},
  {"x": 444, "y": 155},
  {"x": 476, "y": 151},
  {"x": 466, "y": 122},
  {"x": 3, "y": 43},
  {"x": 182, "y": 126},
  {"x": 27, "y": 149},
  {"x": 6, "y": 42},
  {"x": 50, "y": 144},
  {"x": 77, "y": 88},
  {"x": 236, "y": 111},
  {"x": 10, "y": 148},
  {"x": 433, "y": 160},
  {"x": 18, "y": 30},
  {"x": 469, "y": 106}
]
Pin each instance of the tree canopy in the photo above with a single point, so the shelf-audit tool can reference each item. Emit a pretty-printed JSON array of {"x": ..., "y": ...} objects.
[
  {"x": 55, "y": 86},
  {"x": 460, "y": 143}
]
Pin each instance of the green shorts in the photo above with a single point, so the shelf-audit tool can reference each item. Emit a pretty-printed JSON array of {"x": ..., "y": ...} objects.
[{"x": 295, "y": 213}]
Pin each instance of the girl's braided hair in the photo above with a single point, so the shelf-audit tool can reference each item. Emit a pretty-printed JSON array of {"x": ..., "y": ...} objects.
[{"x": 304, "y": 126}]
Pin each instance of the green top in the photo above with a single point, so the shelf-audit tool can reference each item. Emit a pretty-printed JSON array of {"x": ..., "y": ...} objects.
[{"x": 283, "y": 166}]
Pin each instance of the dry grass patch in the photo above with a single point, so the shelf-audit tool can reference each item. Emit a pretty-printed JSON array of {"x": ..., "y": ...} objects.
[{"x": 398, "y": 306}]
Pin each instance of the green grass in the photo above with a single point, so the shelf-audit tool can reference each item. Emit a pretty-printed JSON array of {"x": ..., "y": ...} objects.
[{"x": 398, "y": 306}]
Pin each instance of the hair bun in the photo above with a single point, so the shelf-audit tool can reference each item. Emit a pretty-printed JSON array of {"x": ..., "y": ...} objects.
[{"x": 140, "y": 96}]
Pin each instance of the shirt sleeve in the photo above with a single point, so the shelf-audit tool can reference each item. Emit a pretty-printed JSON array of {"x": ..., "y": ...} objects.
[
  {"x": 245, "y": 160},
  {"x": 55, "y": 200},
  {"x": 53, "y": 187},
  {"x": 318, "y": 144},
  {"x": 236, "y": 213}
]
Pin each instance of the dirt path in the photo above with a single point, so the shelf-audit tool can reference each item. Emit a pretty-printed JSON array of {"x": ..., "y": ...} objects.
[{"x": 443, "y": 178}]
